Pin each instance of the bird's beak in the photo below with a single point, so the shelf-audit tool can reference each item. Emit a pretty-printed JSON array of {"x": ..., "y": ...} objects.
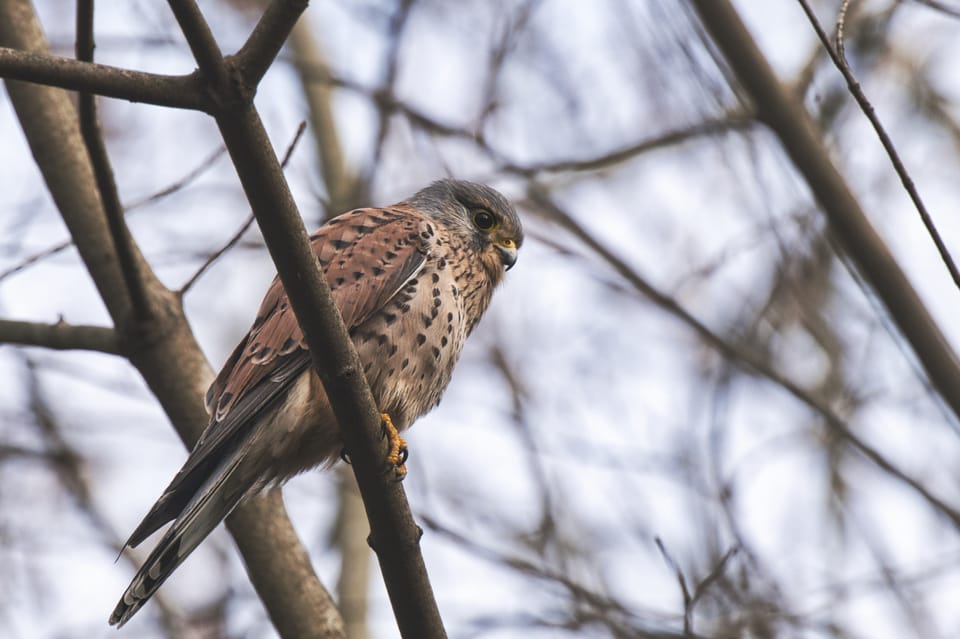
[{"x": 508, "y": 252}]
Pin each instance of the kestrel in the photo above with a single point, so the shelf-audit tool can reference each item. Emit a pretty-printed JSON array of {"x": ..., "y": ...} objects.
[{"x": 411, "y": 282}]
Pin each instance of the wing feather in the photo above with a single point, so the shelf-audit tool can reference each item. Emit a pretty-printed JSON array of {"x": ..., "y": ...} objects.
[{"x": 368, "y": 255}]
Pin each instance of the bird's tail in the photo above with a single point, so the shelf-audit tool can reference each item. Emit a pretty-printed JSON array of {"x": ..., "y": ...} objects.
[{"x": 214, "y": 500}]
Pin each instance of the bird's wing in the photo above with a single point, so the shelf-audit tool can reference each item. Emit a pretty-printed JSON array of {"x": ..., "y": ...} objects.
[{"x": 367, "y": 255}]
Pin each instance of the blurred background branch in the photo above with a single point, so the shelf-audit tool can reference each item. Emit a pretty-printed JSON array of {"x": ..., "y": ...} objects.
[{"x": 695, "y": 352}]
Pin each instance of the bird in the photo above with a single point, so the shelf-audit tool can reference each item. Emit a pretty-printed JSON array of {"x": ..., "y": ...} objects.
[{"x": 411, "y": 282}]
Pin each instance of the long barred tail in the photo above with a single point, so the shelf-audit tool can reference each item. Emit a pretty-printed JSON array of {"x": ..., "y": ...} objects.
[{"x": 214, "y": 500}]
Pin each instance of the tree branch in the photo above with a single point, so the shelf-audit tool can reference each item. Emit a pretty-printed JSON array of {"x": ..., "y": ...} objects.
[
  {"x": 267, "y": 39},
  {"x": 176, "y": 91},
  {"x": 743, "y": 357},
  {"x": 202, "y": 44},
  {"x": 394, "y": 534},
  {"x": 735, "y": 120},
  {"x": 216, "y": 255},
  {"x": 60, "y": 336},
  {"x": 298, "y": 605},
  {"x": 838, "y": 55},
  {"x": 344, "y": 189},
  {"x": 103, "y": 172},
  {"x": 165, "y": 352},
  {"x": 785, "y": 116}
]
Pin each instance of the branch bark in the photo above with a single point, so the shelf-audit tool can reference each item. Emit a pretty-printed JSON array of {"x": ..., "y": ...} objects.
[
  {"x": 741, "y": 355},
  {"x": 803, "y": 143},
  {"x": 394, "y": 534},
  {"x": 175, "y": 91},
  {"x": 163, "y": 349},
  {"x": 60, "y": 336},
  {"x": 100, "y": 160},
  {"x": 267, "y": 38}
]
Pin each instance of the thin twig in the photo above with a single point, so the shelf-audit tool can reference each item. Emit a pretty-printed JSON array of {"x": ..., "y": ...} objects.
[
  {"x": 682, "y": 581},
  {"x": 841, "y": 26},
  {"x": 786, "y": 117},
  {"x": 735, "y": 120},
  {"x": 840, "y": 61},
  {"x": 507, "y": 43},
  {"x": 243, "y": 227},
  {"x": 942, "y": 7},
  {"x": 67, "y": 464},
  {"x": 612, "y": 612},
  {"x": 737, "y": 354},
  {"x": 202, "y": 167},
  {"x": 166, "y": 191},
  {"x": 714, "y": 575},
  {"x": 35, "y": 258},
  {"x": 398, "y": 22},
  {"x": 103, "y": 173}
]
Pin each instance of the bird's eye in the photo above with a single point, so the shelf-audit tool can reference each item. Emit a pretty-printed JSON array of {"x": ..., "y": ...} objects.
[{"x": 484, "y": 220}]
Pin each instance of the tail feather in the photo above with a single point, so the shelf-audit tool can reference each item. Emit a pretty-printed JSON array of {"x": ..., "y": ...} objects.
[{"x": 215, "y": 499}]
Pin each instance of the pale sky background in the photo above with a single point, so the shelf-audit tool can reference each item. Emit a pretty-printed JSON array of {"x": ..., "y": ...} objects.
[{"x": 629, "y": 428}]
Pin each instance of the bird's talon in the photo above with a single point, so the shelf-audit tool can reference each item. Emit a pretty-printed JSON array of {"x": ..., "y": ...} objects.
[
  {"x": 345, "y": 456},
  {"x": 397, "y": 454}
]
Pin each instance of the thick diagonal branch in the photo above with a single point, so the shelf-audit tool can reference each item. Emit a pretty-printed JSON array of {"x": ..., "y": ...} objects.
[
  {"x": 165, "y": 351},
  {"x": 394, "y": 534},
  {"x": 786, "y": 117}
]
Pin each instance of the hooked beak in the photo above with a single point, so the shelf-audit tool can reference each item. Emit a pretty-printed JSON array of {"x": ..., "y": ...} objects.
[{"x": 508, "y": 253}]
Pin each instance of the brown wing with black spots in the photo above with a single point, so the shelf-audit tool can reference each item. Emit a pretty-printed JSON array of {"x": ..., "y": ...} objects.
[{"x": 367, "y": 256}]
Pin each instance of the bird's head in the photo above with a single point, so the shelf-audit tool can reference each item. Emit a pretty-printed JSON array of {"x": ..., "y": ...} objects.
[{"x": 480, "y": 215}]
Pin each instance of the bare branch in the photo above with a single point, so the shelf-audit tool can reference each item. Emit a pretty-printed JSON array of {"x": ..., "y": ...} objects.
[
  {"x": 353, "y": 583},
  {"x": 394, "y": 534},
  {"x": 176, "y": 91},
  {"x": 398, "y": 23},
  {"x": 509, "y": 38},
  {"x": 243, "y": 227},
  {"x": 622, "y": 620},
  {"x": 298, "y": 605},
  {"x": 36, "y": 258},
  {"x": 60, "y": 336},
  {"x": 701, "y": 588},
  {"x": 737, "y": 354},
  {"x": 264, "y": 44},
  {"x": 180, "y": 183},
  {"x": 735, "y": 120},
  {"x": 780, "y": 110},
  {"x": 202, "y": 44},
  {"x": 344, "y": 189},
  {"x": 170, "y": 189},
  {"x": 103, "y": 172},
  {"x": 942, "y": 7},
  {"x": 682, "y": 582},
  {"x": 166, "y": 352},
  {"x": 840, "y": 61}
]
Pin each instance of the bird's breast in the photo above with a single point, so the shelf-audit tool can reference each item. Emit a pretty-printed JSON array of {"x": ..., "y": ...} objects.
[{"x": 408, "y": 348}]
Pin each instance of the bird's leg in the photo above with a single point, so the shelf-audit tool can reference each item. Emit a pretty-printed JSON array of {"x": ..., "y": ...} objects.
[{"x": 397, "y": 453}]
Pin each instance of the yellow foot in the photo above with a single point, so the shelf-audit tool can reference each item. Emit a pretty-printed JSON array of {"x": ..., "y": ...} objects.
[{"x": 397, "y": 455}]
